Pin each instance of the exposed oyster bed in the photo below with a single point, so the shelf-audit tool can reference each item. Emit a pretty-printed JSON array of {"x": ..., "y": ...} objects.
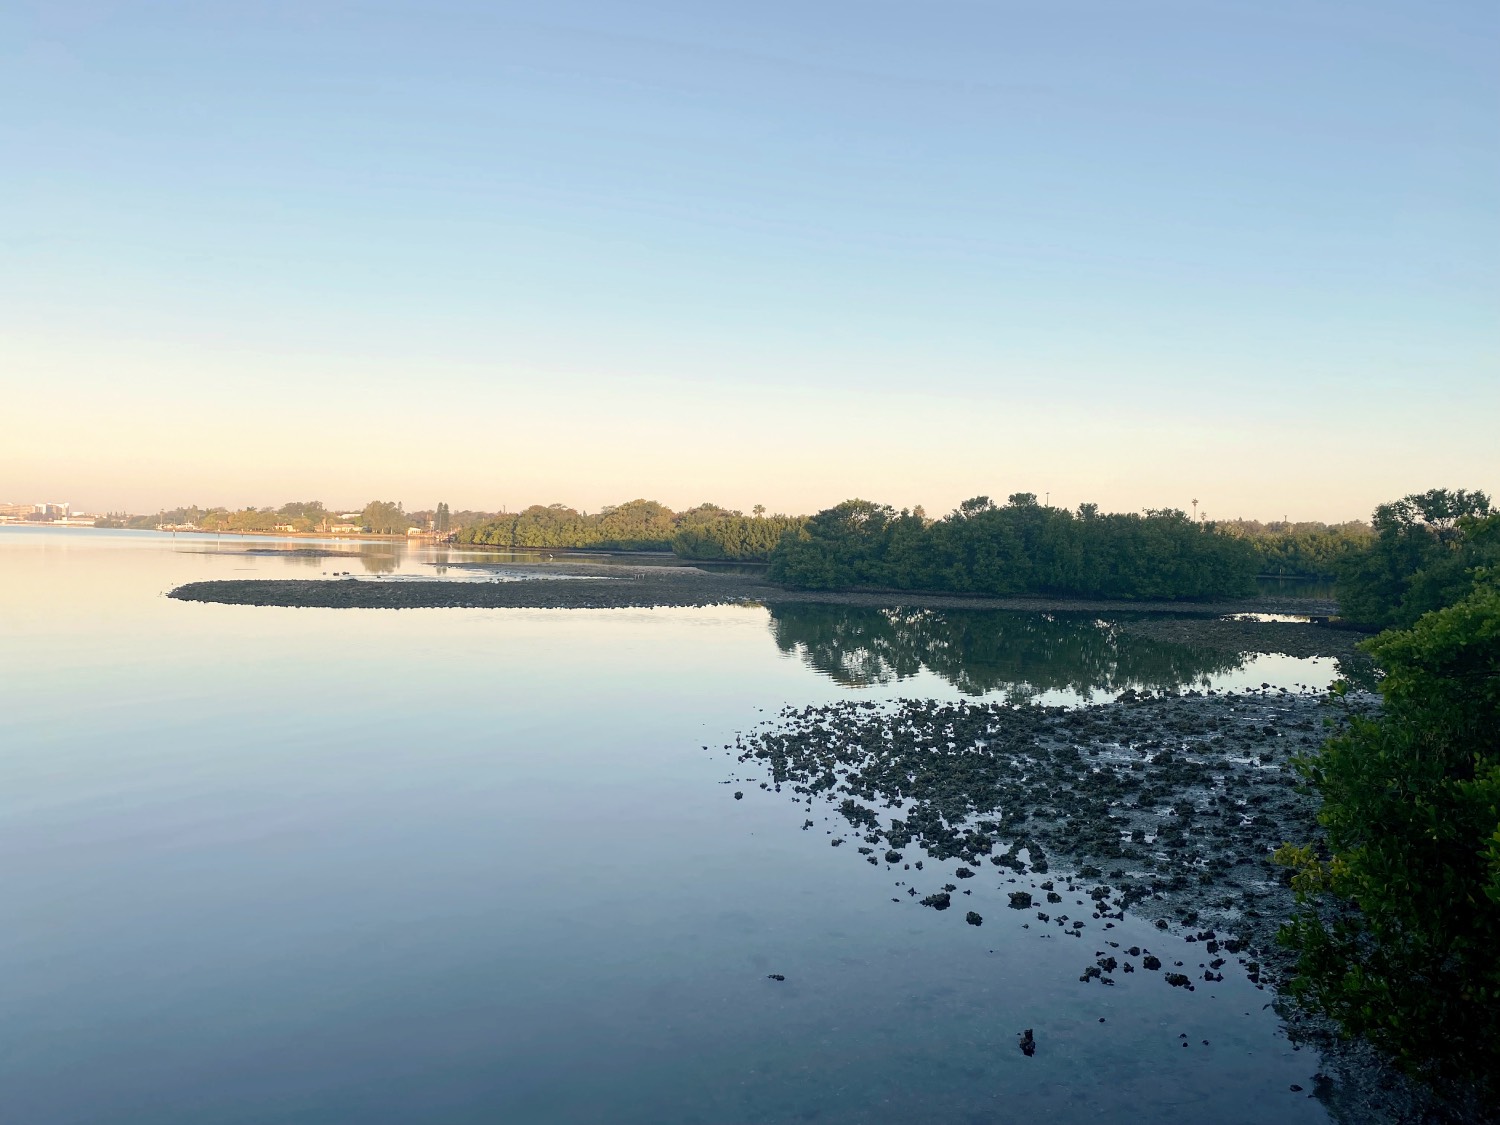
[{"x": 1165, "y": 808}]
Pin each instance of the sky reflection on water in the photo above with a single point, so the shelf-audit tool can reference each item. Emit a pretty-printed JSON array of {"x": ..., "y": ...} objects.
[{"x": 265, "y": 865}]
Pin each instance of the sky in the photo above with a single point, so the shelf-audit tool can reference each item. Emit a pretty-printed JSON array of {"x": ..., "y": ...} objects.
[{"x": 781, "y": 253}]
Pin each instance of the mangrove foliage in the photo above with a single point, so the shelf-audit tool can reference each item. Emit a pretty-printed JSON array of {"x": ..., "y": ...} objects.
[
  {"x": 1398, "y": 936},
  {"x": 1422, "y": 556},
  {"x": 705, "y": 532},
  {"x": 1020, "y": 548}
]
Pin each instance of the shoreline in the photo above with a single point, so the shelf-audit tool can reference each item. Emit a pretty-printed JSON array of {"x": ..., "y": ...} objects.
[{"x": 598, "y": 587}]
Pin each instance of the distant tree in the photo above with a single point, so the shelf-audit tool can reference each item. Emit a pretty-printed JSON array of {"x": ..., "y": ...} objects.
[
  {"x": 305, "y": 515},
  {"x": 384, "y": 517}
]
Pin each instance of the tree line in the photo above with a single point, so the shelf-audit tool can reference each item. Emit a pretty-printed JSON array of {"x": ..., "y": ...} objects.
[
  {"x": 378, "y": 517},
  {"x": 1421, "y": 556},
  {"x": 734, "y": 537},
  {"x": 1019, "y": 548},
  {"x": 705, "y": 532},
  {"x": 1301, "y": 550}
]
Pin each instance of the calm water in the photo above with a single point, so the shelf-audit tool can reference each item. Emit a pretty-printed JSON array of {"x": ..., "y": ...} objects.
[{"x": 279, "y": 865}]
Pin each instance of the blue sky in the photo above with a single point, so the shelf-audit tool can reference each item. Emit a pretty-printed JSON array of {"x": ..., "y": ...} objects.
[{"x": 775, "y": 253}]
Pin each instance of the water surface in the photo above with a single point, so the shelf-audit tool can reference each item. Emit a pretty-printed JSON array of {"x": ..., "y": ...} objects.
[{"x": 302, "y": 865}]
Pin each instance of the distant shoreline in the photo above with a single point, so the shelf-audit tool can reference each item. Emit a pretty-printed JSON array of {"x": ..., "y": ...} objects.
[{"x": 595, "y": 586}]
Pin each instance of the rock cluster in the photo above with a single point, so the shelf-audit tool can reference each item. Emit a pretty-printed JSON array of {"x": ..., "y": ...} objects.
[{"x": 1169, "y": 805}]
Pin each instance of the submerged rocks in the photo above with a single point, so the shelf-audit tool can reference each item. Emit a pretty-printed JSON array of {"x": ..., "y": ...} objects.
[
  {"x": 1179, "y": 799},
  {"x": 973, "y": 919},
  {"x": 1027, "y": 1042}
]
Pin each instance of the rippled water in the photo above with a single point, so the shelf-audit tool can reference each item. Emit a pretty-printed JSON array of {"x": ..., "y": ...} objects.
[{"x": 306, "y": 865}]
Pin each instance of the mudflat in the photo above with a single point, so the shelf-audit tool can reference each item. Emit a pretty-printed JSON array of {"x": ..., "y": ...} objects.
[
  {"x": 598, "y": 586},
  {"x": 584, "y": 586}
]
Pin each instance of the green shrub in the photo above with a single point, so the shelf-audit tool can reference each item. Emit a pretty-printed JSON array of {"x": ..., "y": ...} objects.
[{"x": 1409, "y": 954}]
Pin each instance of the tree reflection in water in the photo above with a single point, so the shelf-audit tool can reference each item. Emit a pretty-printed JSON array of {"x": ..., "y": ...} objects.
[{"x": 980, "y": 651}]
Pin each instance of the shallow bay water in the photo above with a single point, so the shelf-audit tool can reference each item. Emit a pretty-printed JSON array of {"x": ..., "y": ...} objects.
[{"x": 262, "y": 864}]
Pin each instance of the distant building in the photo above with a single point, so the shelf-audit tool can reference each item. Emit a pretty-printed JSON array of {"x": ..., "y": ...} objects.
[
  {"x": 16, "y": 511},
  {"x": 346, "y": 529}
]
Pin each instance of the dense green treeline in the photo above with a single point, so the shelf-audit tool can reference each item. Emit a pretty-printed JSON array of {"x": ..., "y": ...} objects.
[
  {"x": 639, "y": 525},
  {"x": 705, "y": 532},
  {"x": 1020, "y": 548},
  {"x": 1301, "y": 550},
  {"x": 1421, "y": 557},
  {"x": 733, "y": 536},
  {"x": 1398, "y": 934}
]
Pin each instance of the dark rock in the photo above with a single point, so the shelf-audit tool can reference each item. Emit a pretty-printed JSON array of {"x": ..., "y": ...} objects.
[
  {"x": 973, "y": 919},
  {"x": 1028, "y": 1043},
  {"x": 940, "y": 901},
  {"x": 1020, "y": 900}
]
